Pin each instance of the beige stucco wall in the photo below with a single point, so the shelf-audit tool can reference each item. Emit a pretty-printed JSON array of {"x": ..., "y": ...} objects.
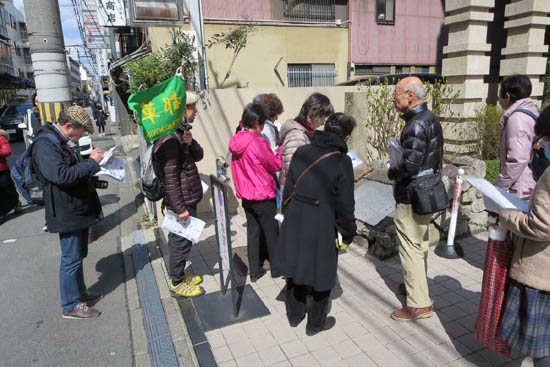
[
  {"x": 255, "y": 63},
  {"x": 219, "y": 113}
]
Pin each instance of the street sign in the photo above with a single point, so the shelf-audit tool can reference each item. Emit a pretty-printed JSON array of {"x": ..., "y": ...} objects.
[
  {"x": 112, "y": 13},
  {"x": 156, "y": 12},
  {"x": 102, "y": 62},
  {"x": 95, "y": 35},
  {"x": 223, "y": 235}
]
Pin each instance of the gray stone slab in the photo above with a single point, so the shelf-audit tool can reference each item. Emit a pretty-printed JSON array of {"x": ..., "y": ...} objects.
[{"x": 373, "y": 202}]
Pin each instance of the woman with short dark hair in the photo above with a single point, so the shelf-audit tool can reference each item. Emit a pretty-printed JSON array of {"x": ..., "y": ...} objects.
[
  {"x": 525, "y": 324},
  {"x": 516, "y": 136},
  {"x": 253, "y": 165},
  {"x": 298, "y": 131},
  {"x": 319, "y": 208}
]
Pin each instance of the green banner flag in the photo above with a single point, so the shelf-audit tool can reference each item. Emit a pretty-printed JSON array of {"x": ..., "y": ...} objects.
[{"x": 159, "y": 108}]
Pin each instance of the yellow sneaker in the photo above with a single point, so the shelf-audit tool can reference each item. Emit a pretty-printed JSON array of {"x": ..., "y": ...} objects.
[
  {"x": 182, "y": 290},
  {"x": 192, "y": 280}
]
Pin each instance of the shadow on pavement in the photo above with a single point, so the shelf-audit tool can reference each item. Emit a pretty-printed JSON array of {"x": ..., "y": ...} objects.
[{"x": 110, "y": 274}]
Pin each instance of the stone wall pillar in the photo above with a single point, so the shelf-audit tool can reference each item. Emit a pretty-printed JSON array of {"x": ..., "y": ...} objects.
[
  {"x": 465, "y": 65},
  {"x": 526, "y": 24}
]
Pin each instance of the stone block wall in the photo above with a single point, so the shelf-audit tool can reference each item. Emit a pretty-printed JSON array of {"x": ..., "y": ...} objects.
[{"x": 382, "y": 241}]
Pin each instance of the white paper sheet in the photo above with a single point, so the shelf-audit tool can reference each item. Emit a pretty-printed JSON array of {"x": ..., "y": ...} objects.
[
  {"x": 395, "y": 151},
  {"x": 107, "y": 155},
  {"x": 204, "y": 187},
  {"x": 355, "y": 160},
  {"x": 115, "y": 168},
  {"x": 495, "y": 198},
  {"x": 191, "y": 229}
]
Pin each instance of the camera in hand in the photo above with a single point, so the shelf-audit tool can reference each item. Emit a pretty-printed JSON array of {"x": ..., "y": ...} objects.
[
  {"x": 99, "y": 184},
  {"x": 186, "y": 126}
]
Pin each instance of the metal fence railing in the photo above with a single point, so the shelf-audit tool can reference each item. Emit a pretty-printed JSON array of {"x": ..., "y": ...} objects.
[
  {"x": 309, "y": 10},
  {"x": 311, "y": 75}
]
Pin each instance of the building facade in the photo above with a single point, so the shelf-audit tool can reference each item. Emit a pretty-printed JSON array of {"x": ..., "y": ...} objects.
[
  {"x": 320, "y": 42},
  {"x": 15, "y": 56}
]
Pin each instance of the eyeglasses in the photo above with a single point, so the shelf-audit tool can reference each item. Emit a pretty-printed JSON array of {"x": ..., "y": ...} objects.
[{"x": 395, "y": 95}]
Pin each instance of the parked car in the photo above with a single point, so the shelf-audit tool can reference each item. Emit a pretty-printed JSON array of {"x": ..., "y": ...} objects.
[
  {"x": 11, "y": 117},
  {"x": 393, "y": 79}
]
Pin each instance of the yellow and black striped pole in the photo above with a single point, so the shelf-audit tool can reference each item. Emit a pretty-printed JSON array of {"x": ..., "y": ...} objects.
[{"x": 49, "y": 111}]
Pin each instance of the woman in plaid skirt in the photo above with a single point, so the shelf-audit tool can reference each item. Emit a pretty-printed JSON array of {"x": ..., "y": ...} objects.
[{"x": 526, "y": 321}]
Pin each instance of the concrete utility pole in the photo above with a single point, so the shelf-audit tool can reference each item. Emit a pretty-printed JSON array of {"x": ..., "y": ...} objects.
[
  {"x": 51, "y": 73},
  {"x": 196, "y": 23}
]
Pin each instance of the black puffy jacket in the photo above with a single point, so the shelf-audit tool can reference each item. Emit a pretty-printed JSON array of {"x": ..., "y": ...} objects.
[
  {"x": 422, "y": 142},
  {"x": 178, "y": 171}
]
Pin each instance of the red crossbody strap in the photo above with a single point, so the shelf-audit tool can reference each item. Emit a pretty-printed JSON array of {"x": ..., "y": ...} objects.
[{"x": 306, "y": 171}]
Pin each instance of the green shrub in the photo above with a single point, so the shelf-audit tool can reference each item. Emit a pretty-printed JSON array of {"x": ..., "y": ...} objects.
[
  {"x": 161, "y": 65},
  {"x": 488, "y": 117},
  {"x": 493, "y": 168}
]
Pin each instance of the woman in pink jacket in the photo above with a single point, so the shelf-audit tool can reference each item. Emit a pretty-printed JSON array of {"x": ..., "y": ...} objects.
[
  {"x": 516, "y": 139},
  {"x": 253, "y": 165}
]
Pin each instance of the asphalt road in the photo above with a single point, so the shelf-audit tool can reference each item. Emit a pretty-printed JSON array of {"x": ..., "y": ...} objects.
[{"x": 32, "y": 332}]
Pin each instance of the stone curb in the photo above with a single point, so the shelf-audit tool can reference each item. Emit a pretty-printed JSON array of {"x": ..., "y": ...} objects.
[{"x": 178, "y": 330}]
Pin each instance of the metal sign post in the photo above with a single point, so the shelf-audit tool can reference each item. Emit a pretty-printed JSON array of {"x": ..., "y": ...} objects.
[{"x": 223, "y": 236}]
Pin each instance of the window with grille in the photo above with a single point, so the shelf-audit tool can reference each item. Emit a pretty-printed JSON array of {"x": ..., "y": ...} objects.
[
  {"x": 309, "y": 10},
  {"x": 385, "y": 11},
  {"x": 311, "y": 75}
]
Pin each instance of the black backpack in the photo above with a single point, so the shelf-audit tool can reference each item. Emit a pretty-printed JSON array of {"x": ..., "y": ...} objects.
[{"x": 151, "y": 186}]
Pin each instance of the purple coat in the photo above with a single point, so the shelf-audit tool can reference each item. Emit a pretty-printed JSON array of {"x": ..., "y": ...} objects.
[{"x": 516, "y": 140}]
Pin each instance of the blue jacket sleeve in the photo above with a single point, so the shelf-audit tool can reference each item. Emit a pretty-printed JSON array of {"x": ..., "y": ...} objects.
[{"x": 49, "y": 158}]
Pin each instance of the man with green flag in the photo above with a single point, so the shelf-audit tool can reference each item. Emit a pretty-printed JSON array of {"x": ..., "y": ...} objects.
[{"x": 175, "y": 157}]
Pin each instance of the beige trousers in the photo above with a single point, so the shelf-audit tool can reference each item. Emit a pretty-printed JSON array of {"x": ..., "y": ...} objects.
[{"x": 413, "y": 233}]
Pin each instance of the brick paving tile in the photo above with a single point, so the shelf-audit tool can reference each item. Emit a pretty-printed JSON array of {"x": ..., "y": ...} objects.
[
  {"x": 282, "y": 364},
  {"x": 271, "y": 355},
  {"x": 294, "y": 348},
  {"x": 230, "y": 363},
  {"x": 215, "y": 338},
  {"x": 305, "y": 360},
  {"x": 251, "y": 360},
  {"x": 327, "y": 357},
  {"x": 347, "y": 349},
  {"x": 222, "y": 354},
  {"x": 265, "y": 341},
  {"x": 360, "y": 360},
  {"x": 316, "y": 342},
  {"x": 239, "y": 348},
  {"x": 364, "y": 334}
]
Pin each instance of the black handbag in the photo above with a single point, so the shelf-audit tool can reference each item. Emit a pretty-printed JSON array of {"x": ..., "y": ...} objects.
[{"x": 428, "y": 194}]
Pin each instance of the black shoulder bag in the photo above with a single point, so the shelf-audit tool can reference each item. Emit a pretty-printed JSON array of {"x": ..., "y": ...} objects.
[
  {"x": 428, "y": 193},
  {"x": 306, "y": 171}
]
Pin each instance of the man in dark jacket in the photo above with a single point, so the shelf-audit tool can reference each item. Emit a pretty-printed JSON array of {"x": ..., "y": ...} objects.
[
  {"x": 175, "y": 157},
  {"x": 422, "y": 142},
  {"x": 71, "y": 203}
]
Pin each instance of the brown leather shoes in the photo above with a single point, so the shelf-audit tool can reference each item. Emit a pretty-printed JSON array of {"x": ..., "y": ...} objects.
[{"x": 411, "y": 313}]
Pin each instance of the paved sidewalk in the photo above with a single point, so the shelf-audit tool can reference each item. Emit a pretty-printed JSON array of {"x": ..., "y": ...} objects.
[{"x": 364, "y": 334}]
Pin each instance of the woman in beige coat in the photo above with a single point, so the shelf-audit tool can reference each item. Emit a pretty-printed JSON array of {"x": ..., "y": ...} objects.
[
  {"x": 299, "y": 130},
  {"x": 526, "y": 320}
]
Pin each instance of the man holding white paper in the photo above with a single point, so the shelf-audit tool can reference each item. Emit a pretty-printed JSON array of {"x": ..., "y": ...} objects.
[
  {"x": 422, "y": 146},
  {"x": 175, "y": 156}
]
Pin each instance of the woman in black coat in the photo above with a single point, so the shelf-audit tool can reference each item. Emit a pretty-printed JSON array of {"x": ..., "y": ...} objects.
[{"x": 322, "y": 205}]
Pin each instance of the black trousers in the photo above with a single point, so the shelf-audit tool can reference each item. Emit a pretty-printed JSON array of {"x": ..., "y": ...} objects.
[
  {"x": 296, "y": 309},
  {"x": 262, "y": 232},
  {"x": 101, "y": 128},
  {"x": 179, "y": 252}
]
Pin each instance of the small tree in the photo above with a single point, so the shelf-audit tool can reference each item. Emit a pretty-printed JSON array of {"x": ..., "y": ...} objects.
[
  {"x": 164, "y": 63},
  {"x": 383, "y": 121},
  {"x": 236, "y": 39}
]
